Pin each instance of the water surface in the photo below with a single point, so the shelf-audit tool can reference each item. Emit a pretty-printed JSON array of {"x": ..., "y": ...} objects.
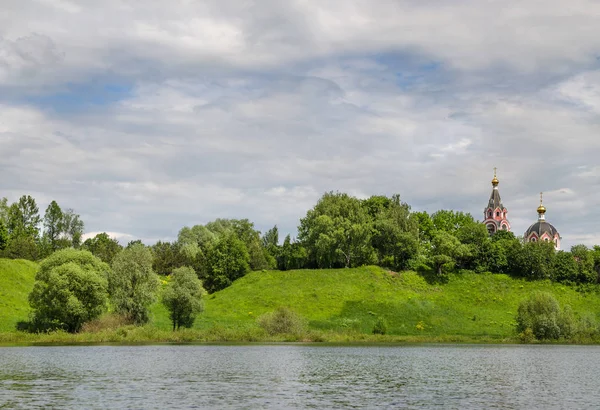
[{"x": 300, "y": 376}]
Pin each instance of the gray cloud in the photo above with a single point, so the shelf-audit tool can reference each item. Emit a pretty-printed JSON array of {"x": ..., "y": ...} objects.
[{"x": 256, "y": 110}]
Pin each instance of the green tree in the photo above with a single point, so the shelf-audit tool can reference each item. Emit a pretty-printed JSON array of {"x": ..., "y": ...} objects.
[
  {"x": 451, "y": 221},
  {"x": 183, "y": 297},
  {"x": 72, "y": 228},
  {"x": 132, "y": 283},
  {"x": 227, "y": 261},
  {"x": 564, "y": 268},
  {"x": 53, "y": 224},
  {"x": 70, "y": 289},
  {"x": 292, "y": 255},
  {"x": 4, "y": 211},
  {"x": 103, "y": 246},
  {"x": 585, "y": 264},
  {"x": 3, "y": 235},
  {"x": 542, "y": 315},
  {"x": 444, "y": 251},
  {"x": 24, "y": 217},
  {"x": 533, "y": 260},
  {"x": 337, "y": 232},
  {"x": 167, "y": 257},
  {"x": 395, "y": 235}
]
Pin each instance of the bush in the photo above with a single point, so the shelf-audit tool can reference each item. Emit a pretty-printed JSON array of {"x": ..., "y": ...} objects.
[
  {"x": 541, "y": 314},
  {"x": 70, "y": 289},
  {"x": 282, "y": 321},
  {"x": 183, "y": 297},
  {"x": 133, "y": 283},
  {"x": 380, "y": 327}
]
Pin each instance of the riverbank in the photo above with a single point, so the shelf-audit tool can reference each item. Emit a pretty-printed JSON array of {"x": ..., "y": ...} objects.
[{"x": 338, "y": 305}]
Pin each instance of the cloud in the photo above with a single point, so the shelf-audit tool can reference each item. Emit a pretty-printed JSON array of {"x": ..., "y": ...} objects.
[{"x": 146, "y": 119}]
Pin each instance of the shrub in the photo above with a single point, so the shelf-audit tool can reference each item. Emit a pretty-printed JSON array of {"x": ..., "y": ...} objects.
[
  {"x": 133, "y": 283},
  {"x": 282, "y": 321},
  {"x": 183, "y": 297},
  {"x": 380, "y": 327},
  {"x": 542, "y": 315},
  {"x": 70, "y": 289}
]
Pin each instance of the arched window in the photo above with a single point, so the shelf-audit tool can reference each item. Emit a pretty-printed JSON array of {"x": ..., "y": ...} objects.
[
  {"x": 532, "y": 239},
  {"x": 497, "y": 213},
  {"x": 490, "y": 214},
  {"x": 546, "y": 240}
]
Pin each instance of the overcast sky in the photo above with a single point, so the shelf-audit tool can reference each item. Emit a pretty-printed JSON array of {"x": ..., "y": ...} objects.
[{"x": 149, "y": 116}]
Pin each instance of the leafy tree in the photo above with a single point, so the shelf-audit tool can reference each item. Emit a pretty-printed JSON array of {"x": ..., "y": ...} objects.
[
  {"x": 533, "y": 260},
  {"x": 271, "y": 238},
  {"x": 395, "y": 231},
  {"x": 425, "y": 224},
  {"x": 24, "y": 217},
  {"x": 451, "y": 221},
  {"x": 3, "y": 235},
  {"x": 53, "y": 223},
  {"x": 103, "y": 247},
  {"x": 564, "y": 267},
  {"x": 132, "y": 283},
  {"x": 542, "y": 315},
  {"x": 337, "y": 232},
  {"x": 72, "y": 228},
  {"x": 133, "y": 243},
  {"x": 585, "y": 264},
  {"x": 21, "y": 246},
  {"x": 227, "y": 261},
  {"x": 70, "y": 289},
  {"x": 445, "y": 248},
  {"x": 292, "y": 255},
  {"x": 167, "y": 257},
  {"x": 4, "y": 211},
  {"x": 183, "y": 297}
]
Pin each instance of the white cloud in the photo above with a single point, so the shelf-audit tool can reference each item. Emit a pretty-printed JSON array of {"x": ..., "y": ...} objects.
[{"x": 255, "y": 110}]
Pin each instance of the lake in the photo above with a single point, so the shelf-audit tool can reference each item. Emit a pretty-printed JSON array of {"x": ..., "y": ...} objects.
[{"x": 300, "y": 376}]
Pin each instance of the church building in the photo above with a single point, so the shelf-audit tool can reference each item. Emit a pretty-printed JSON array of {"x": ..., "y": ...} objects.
[
  {"x": 542, "y": 230},
  {"x": 495, "y": 219},
  {"x": 494, "y": 215}
]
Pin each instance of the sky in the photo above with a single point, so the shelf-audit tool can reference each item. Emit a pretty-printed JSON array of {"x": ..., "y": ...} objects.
[{"x": 145, "y": 117}]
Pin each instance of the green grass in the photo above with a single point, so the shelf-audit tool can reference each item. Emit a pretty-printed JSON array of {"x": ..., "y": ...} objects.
[
  {"x": 16, "y": 281},
  {"x": 341, "y": 305}
]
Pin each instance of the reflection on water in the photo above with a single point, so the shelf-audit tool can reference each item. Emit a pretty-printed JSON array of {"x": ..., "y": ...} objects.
[{"x": 300, "y": 376}]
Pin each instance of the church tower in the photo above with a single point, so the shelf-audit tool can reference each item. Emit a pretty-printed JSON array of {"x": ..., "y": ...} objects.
[{"x": 494, "y": 215}]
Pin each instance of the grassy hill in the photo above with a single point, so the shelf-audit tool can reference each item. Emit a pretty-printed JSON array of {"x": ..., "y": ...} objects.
[
  {"x": 470, "y": 305},
  {"x": 16, "y": 281},
  {"x": 342, "y": 301}
]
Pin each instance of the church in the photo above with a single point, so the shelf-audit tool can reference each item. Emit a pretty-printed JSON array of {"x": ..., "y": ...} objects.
[{"x": 495, "y": 219}]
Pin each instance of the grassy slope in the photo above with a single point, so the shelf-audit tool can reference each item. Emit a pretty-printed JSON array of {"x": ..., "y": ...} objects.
[
  {"x": 469, "y": 304},
  {"x": 477, "y": 306},
  {"x": 16, "y": 281}
]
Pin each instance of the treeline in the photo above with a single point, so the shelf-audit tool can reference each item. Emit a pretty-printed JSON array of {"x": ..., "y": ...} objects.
[{"x": 339, "y": 231}]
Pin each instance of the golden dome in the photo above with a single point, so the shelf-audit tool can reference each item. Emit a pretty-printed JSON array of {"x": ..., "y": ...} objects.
[
  {"x": 495, "y": 181},
  {"x": 541, "y": 209}
]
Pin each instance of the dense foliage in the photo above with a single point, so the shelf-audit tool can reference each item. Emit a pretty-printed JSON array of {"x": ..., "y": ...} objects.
[
  {"x": 70, "y": 288},
  {"x": 183, "y": 297},
  {"x": 339, "y": 231},
  {"x": 541, "y": 316},
  {"x": 132, "y": 283}
]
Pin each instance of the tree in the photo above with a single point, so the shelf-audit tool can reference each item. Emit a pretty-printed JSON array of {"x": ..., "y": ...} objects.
[
  {"x": 292, "y": 255},
  {"x": 564, "y": 268},
  {"x": 395, "y": 231},
  {"x": 4, "y": 211},
  {"x": 541, "y": 314},
  {"x": 450, "y": 221},
  {"x": 72, "y": 228},
  {"x": 445, "y": 248},
  {"x": 271, "y": 238},
  {"x": 53, "y": 223},
  {"x": 132, "y": 283},
  {"x": 3, "y": 235},
  {"x": 167, "y": 257},
  {"x": 337, "y": 232},
  {"x": 24, "y": 217},
  {"x": 585, "y": 264},
  {"x": 183, "y": 297},
  {"x": 226, "y": 261},
  {"x": 533, "y": 260},
  {"x": 70, "y": 289},
  {"x": 103, "y": 247}
]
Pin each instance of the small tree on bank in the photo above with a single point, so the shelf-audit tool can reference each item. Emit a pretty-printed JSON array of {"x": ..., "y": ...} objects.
[
  {"x": 541, "y": 315},
  {"x": 133, "y": 283},
  {"x": 70, "y": 289},
  {"x": 183, "y": 297}
]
